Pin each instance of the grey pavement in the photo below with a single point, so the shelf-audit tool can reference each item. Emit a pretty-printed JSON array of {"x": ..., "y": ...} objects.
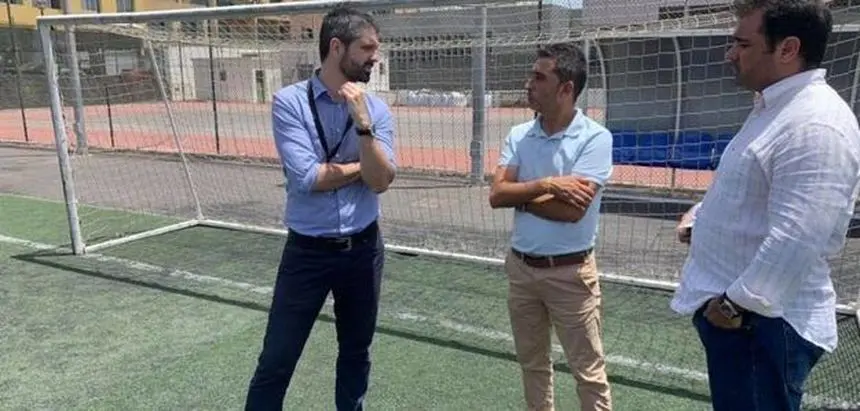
[{"x": 447, "y": 215}]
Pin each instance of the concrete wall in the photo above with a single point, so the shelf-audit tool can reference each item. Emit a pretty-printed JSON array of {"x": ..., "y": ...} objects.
[
  {"x": 622, "y": 12},
  {"x": 235, "y": 77},
  {"x": 428, "y": 66}
]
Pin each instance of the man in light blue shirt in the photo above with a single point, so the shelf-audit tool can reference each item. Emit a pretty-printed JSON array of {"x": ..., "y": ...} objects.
[
  {"x": 336, "y": 147},
  {"x": 552, "y": 170}
]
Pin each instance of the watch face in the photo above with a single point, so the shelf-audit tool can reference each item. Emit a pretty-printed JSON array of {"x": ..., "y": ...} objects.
[{"x": 728, "y": 310}]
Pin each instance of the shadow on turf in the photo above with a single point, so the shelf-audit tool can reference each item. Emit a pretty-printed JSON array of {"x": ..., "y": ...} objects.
[{"x": 44, "y": 258}]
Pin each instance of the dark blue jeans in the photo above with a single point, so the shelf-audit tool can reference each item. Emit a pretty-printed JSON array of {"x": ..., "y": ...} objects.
[
  {"x": 761, "y": 366},
  {"x": 305, "y": 277}
]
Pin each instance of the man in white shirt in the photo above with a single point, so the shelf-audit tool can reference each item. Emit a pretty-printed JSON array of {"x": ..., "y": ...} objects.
[{"x": 756, "y": 279}]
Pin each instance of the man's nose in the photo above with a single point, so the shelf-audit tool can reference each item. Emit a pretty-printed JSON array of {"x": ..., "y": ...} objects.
[{"x": 731, "y": 54}]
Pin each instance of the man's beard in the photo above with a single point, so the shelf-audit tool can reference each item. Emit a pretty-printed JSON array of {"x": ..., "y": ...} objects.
[{"x": 354, "y": 72}]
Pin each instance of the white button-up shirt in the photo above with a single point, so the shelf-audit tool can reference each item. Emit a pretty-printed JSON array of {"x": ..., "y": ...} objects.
[{"x": 779, "y": 205}]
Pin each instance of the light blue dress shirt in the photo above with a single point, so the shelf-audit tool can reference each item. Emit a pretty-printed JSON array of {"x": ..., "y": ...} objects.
[
  {"x": 339, "y": 212},
  {"x": 583, "y": 149}
]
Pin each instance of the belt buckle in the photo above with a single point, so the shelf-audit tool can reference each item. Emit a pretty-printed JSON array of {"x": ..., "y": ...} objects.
[{"x": 345, "y": 240}]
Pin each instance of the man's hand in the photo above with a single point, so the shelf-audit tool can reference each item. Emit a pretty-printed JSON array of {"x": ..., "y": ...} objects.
[
  {"x": 717, "y": 318},
  {"x": 354, "y": 97},
  {"x": 574, "y": 190}
]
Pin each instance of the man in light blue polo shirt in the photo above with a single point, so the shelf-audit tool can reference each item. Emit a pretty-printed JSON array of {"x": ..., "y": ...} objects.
[
  {"x": 336, "y": 146},
  {"x": 552, "y": 170}
]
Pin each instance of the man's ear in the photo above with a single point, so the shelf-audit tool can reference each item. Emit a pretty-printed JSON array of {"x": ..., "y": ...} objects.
[
  {"x": 336, "y": 46},
  {"x": 788, "y": 49}
]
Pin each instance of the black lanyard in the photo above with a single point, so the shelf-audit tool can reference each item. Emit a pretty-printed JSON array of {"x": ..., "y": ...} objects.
[{"x": 320, "y": 132}]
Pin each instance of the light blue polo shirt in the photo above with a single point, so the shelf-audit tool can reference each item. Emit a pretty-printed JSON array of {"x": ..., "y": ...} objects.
[{"x": 583, "y": 149}]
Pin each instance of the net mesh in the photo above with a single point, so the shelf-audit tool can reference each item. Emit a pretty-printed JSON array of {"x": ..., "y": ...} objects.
[{"x": 174, "y": 125}]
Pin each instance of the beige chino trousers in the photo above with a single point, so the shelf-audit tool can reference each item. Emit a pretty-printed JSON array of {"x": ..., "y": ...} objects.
[{"x": 568, "y": 299}]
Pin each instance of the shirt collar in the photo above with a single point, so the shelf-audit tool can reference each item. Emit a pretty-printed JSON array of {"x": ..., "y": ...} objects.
[
  {"x": 572, "y": 130},
  {"x": 775, "y": 91},
  {"x": 318, "y": 87}
]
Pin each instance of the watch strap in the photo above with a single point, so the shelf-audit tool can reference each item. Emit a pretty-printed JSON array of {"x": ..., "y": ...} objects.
[{"x": 366, "y": 132}]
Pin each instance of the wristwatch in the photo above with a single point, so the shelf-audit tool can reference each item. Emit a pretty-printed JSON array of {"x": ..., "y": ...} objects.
[
  {"x": 364, "y": 132},
  {"x": 729, "y": 309}
]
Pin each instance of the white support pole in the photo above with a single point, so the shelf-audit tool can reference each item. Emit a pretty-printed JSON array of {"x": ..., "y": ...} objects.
[
  {"x": 81, "y": 147},
  {"x": 479, "y": 102},
  {"x": 604, "y": 81},
  {"x": 61, "y": 141},
  {"x": 586, "y": 48},
  {"x": 171, "y": 120},
  {"x": 853, "y": 99},
  {"x": 679, "y": 105}
]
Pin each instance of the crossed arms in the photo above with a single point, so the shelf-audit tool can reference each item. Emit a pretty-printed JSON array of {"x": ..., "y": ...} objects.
[
  {"x": 307, "y": 173},
  {"x": 561, "y": 198},
  {"x": 564, "y": 198}
]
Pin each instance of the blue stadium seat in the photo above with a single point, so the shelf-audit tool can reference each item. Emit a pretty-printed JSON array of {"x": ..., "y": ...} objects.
[
  {"x": 693, "y": 151},
  {"x": 653, "y": 148},
  {"x": 623, "y": 146},
  {"x": 720, "y": 143}
]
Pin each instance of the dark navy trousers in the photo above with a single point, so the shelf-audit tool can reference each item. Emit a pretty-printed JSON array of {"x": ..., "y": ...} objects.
[
  {"x": 307, "y": 273},
  {"x": 761, "y": 366}
]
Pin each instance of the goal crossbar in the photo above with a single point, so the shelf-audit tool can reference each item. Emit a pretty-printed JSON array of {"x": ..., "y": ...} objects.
[{"x": 244, "y": 10}]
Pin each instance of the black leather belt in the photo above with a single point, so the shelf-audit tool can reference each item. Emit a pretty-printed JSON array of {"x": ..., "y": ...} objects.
[
  {"x": 343, "y": 243},
  {"x": 549, "y": 261}
]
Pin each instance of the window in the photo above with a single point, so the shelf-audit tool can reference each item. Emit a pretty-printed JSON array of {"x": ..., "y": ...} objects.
[
  {"x": 92, "y": 5},
  {"x": 677, "y": 12},
  {"x": 124, "y": 5},
  {"x": 285, "y": 30}
]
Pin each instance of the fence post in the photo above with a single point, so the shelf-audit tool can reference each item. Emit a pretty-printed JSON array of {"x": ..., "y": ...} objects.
[
  {"x": 17, "y": 52},
  {"x": 479, "y": 101},
  {"x": 214, "y": 96},
  {"x": 110, "y": 116}
]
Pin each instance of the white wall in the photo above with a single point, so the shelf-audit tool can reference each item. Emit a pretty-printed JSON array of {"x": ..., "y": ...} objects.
[{"x": 180, "y": 70}]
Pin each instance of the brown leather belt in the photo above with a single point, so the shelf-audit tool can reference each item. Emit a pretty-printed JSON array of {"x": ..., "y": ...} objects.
[{"x": 561, "y": 260}]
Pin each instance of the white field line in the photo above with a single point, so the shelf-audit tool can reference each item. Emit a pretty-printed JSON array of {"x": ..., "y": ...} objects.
[{"x": 485, "y": 333}]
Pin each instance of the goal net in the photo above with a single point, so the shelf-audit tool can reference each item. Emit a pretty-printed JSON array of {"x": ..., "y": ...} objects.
[{"x": 162, "y": 126}]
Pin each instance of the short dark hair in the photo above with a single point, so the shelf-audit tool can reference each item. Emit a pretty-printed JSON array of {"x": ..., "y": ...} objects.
[
  {"x": 345, "y": 24},
  {"x": 570, "y": 64},
  {"x": 808, "y": 20}
]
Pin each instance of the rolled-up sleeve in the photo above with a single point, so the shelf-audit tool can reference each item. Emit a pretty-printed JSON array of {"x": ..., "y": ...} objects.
[
  {"x": 508, "y": 156},
  {"x": 595, "y": 161},
  {"x": 294, "y": 144},
  {"x": 384, "y": 133},
  {"x": 814, "y": 174}
]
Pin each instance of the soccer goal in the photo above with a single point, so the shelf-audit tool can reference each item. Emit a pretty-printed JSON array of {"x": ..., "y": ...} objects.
[
  {"x": 161, "y": 119},
  {"x": 161, "y": 123}
]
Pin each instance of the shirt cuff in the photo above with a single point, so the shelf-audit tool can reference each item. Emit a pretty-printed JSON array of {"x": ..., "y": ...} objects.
[{"x": 739, "y": 294}]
